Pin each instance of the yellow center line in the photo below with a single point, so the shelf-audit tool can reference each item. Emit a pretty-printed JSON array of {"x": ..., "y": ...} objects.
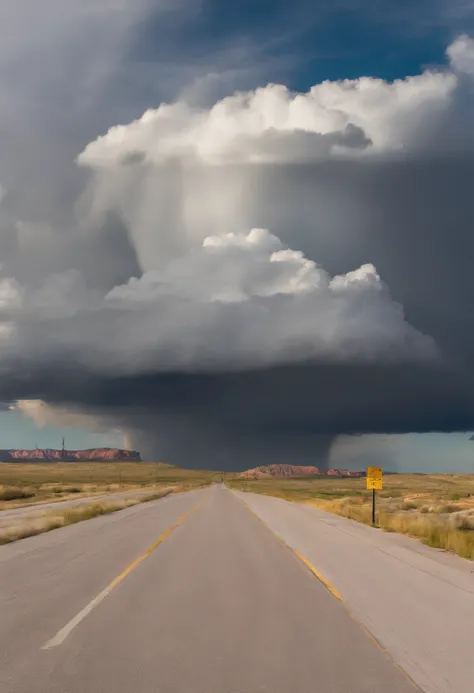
[
  {"x": 319, "y": 575},
  {"x": 61, "y": 635}
]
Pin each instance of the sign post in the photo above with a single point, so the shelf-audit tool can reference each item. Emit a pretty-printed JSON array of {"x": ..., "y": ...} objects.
[{"x": 374, "y": 482}]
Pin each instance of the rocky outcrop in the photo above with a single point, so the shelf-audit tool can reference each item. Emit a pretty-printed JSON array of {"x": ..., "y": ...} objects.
[
  {"x": 292, "y": 471},
  {"x": 107, "y": 454},
  {"x": 50, "y": 455},
  {"x": 343, "y": 472}
]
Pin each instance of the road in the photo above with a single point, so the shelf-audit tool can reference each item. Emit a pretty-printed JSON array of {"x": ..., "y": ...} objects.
[
  {"x": 417, "y": 601},
  {"x": 189, "y": 594}
]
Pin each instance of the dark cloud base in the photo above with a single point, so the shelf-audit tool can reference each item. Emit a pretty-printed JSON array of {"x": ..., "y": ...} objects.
[{"x": 238, "y": 420}]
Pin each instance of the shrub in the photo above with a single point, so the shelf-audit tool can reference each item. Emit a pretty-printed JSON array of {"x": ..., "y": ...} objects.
[
  {"x": 10, "y": 494},
  {"x": 464, "y": 523},
  {"x": 67, "y": 489},
  {"x": 448, "y": 508}
]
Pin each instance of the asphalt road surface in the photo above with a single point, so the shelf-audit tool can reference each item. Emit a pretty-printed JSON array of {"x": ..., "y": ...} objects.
[
  {"x": 188, "y": 594},
  {"x": 417, "y": 601}
]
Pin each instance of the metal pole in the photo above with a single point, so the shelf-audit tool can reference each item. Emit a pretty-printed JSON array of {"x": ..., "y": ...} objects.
[{"x": 373, "y": 506}]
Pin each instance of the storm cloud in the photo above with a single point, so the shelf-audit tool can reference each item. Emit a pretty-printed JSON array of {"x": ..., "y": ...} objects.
[{"x": 243, "y": 282}]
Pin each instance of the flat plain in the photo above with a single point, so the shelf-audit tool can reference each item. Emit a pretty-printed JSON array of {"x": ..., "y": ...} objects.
[
  {"x": 39, "y": 497},
  {"x": 37, "y": 482}
]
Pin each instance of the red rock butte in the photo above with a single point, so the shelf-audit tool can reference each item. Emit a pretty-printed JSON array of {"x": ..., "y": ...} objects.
[
  {"x": 291, "y": 471},
  {"x": 50, "y": 455}
]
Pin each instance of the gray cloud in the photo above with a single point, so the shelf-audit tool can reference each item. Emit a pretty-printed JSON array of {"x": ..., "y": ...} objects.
[
  {"x": 157, "y": 301},
  {"x": 232, "y": 420}
]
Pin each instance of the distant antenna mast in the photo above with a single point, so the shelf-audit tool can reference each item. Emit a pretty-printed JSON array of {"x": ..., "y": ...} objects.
[{"x": 62, "y": 451}]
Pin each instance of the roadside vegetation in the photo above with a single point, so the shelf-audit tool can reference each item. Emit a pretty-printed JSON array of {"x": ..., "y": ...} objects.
[
  {"x": 31, "y": 483},
  {"x": 438, "y": 509},
  {"x": 54, "y": 519}
]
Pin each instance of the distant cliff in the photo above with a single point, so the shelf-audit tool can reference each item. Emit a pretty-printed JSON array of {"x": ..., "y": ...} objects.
[
  {"x": 291, "y": 471},
  {"x": 49, "y": 455}
]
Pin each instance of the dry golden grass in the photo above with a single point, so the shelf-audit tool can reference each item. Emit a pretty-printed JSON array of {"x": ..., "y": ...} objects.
[
  {"x": 54, "y": 519},
  {"x": 29, "y": 483},
  {"x": 438, "y": 509}
]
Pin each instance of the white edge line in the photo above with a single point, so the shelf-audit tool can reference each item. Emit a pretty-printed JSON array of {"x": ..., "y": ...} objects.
[{"x": 61, "y": 636}]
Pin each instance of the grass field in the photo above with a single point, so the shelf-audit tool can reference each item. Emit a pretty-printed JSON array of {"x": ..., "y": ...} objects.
[
  {"x": 30, "y": 483},
  {"x": 56, "y": 518},
  {"x": 436, "y": 508}
]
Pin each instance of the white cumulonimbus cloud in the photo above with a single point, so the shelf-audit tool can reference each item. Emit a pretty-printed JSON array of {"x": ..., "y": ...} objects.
[
  {"x": 227, "y": 212},
  {"x": 181, "y": 173},
  {"x": 274, "y": 125},
  {"x": 215, "y": 291},
  {"x": 238, "y": 301},
  {"x": 461, "y": 54},
  {"x": 213, "y": 295}
]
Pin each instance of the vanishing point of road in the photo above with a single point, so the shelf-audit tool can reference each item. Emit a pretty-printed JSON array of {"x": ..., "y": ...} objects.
[{"x": 212, "y": 591}]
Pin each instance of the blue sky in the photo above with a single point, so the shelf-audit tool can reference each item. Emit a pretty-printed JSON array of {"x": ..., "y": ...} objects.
[
  {"x": 207, "y": 49},
  {"x": 412, "y": 452},
  {"x": 303, "y": 42},
  {"x": 17, "y": 431}
]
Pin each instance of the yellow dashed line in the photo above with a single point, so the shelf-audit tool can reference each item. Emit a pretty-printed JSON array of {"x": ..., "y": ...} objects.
[
  {"x": 61, "y": 636},
  {"x": 141, "y": 558}
]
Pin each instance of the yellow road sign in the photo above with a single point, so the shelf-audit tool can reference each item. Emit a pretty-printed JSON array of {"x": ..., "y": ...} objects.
[{"x": 374, "y": 478}]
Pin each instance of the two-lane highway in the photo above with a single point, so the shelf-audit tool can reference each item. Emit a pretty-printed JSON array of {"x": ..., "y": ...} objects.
[{"x": 220, "y": 605}]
